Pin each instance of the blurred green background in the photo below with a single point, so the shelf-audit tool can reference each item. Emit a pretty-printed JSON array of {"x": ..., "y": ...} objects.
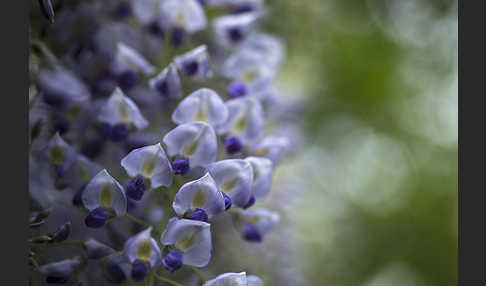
[{"x": 377, "y": 199}]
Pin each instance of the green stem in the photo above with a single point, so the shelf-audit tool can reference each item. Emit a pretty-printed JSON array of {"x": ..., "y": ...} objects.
[
  {"x": 167, "y": 280},
  {"x": 137, "y": 220},
  {"x": 203, "y": 276}
]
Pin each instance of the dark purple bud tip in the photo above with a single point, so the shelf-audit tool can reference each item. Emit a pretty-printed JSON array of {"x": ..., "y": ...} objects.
[
  {"x": 180, "y": 166},
  {"x": 77, "y": 199},
  {"x": 61, "y": 125},
  {"x": 62, "y": 233},
  {"x": 177, "y": 36},
  {"x": 250, "y": 202},
  {"x": 235, "y": 35},
  {"x": 237, "y": 89},
  {"x": 190, "y": 67},
  {"x": 136, "y": 188},
  {"x": 251, "y": 233},
  {"x": 227, "y": 201},
  {"x": 127, "y": 79},
  {"x": 122, "y": 11},
  {"x": 105, "y": 129},
  {"x": 96, "y": 218},
  {"x": 172, "y": 261},
  {"x": 139, "y": 271},
  {"x": 155, "y": 30},
  {"x": 56, "y": 280},
  {"x": 120, "y": 132},
  {"x": 59, "y": 170},
  {"x": 115, "y": 274},
  {"x": 233, "y": 145},
  {"x": 198, "y": 214},
  {"x": 162, "y": 87}
]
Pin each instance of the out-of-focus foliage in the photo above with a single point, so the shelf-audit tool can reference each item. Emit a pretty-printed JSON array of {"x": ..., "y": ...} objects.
[{"x": 378, "y": 193}]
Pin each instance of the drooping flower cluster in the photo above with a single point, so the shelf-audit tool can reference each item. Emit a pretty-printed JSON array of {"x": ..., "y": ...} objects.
[{"x": 134, "y": 118}]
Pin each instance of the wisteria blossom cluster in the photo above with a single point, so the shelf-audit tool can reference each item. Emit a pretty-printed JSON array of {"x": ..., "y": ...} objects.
[{"x": 149, "y": 119}]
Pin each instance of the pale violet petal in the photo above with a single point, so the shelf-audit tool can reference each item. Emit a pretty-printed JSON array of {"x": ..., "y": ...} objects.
[
  {"x": 143, "y": 247},
  {"x": 197, "y": 55},
  {"x": 262, "y": 176},
  {"x": 233, "y": 177},
  {"x": 233, "y": 279},
  {"x": 151, "y": 163},
  {"x": 202, "y": 105},
  {"x": 58, "y": 152},
  {"x": 127, "y": 58},
  {"x": 186, "y": 14},
  {"x": 271, "y": 147},
  {"x": 82, "y": 171},
  {"x": 254, "y": 280},
  {"x": 96, "y": 249},
  {"x": 104, "y": 191},
  {"x": 263, "y": 219},
  {"x": 201, "y": 193},
  {"x": 224, "y": 24},
  {"x": 196, "y": 141},
  {"x": 121, "y": 109},
  {"x": 270, "y": 49},
  {"x": 169, "y": 79},
  {"x": 245, "y": 119},
  {"x": 63, "y": 268},
  {"x": 192, "y": 238}
]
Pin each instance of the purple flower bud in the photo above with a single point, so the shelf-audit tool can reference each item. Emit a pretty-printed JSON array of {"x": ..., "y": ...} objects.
[
  {"x": 114, "y": 273},
  {"x": 139, "y": 271},
  {"x": 190, "y": 67},
  {"x": 62, "y": 233},
  {"x": 105, "y": 129},
  {"x": 96, "y": 218},
  {"x": 177, "y": 36},
  {"x": 127, "y": 79},
  {"x": 198, "y": 214},
  {"x": 235, "y": 34},
  {"x": 56, "y": 280},
  {"x": 136, "y": 188},
  {"x": 251, "y": 233},
  {"x": 250, "y": 202},
  {"x": 237, "y": 89},
  {"x": 120, "y": 132},
  {"x": 61, "y": 125},
  {"x": 172, "y": 261},
  {"x": 180, "y": 166},
  {"x": 233, "y": 145},
  {"x": 155, "y": 30},
  {"x": 227, "y": 201}
]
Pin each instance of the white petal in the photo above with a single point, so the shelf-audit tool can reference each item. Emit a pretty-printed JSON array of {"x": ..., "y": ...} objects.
[
  {"x": 187, "y": 14},
  {"x": 128, "y": 58},
  {"x": 201, "y": 193},
  {"x": 234, "y": 177},
  {"x": 103, "y": 184},
  {"x": 132, "y": 247},
  {"x": 242, "y": 22},
  {"x": 151, "y": 163},
  {"x": 254, "y": 280},
  {"x": 58, "y": 152},
  {"x": 82, "y": 171},
  {"x": 233, "y": 279},
  {"x": 262, "y": 176},
  {"x": 202, "y": 105},
  {"x": 262, "y": 218},
  {"x": 173, "y": 82},
  {"x": 199, "y": 55},
  {"x": 121, "y": 109},
  {"x": 271, "y": 147},
  {"x": 196, "y": 141}
]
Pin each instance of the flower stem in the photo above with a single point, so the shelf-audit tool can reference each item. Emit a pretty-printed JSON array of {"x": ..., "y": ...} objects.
[
  {"x": 137, "y": 220},
  {"x": 167, "y": 280},
  {"x": 203, "y": 276}
]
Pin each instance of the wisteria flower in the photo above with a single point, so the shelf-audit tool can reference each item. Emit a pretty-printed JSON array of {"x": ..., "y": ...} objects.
[
  {"x": 150, "y": 163},
  {"x": 202, "y": 105},
  {"x": 183, "y": 16},
  {"x": 245, "y": 120},
  {"x": 269, "y": 48},
  {"x": 233, "y": 279},
  {"x": 199, "y": 199},
  {"x": 81, "y": 171},
  {"x": 188, "y": 242},
  {"x": 128, "y": 65},
  {"x": 120, "y": 110},
  {"x": 96, "y": 249},
  {"x": 60, "y": 272},
  {"x": 234, "y": 177},
  {"x": 167, "y": 83},
  {"x": 195, "y": 142},
  {"x": 103, "y": 193},
  {"x": 271, "y": 147},
  {"x": 53, "y": 84},
  {"x": 262, "y": 176},
  {"x": 59, "y": 155},
  {"x": 257, "y": 222},
  {"x": 254, "y": 280},
  {"x": 194, "y": 63},
  {"x": 143, "y": 247},
  {"x": 232, "y": 29}
]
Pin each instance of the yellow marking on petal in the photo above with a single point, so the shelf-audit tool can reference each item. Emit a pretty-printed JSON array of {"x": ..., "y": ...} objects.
[
  {"x": 228, "y": 185},
  {"x": 261, "y": 152},
  {"x": 144, "y": 251},
  {"x": 253, "y": 219},
  {"x": 106, "y": 196},
  {"x": 249, "y": 76},
  {"x": 56, "y": 155},
  {"x": 189, "y": 149},
  {"x": 201, "y": 116},
  {"x": 83, "y": 173},
  {"x": 199, "y": 199},
  {"x": 148, "y": 167},
  {"x": 255, "y": 173},
  {"x": 74, "y": 112},
  {"x": 123, "y": 111},
  {"x": 240, "y": 125},
  {"x": 180, "y": 19},
  {"x": 186, "y": 242}
]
